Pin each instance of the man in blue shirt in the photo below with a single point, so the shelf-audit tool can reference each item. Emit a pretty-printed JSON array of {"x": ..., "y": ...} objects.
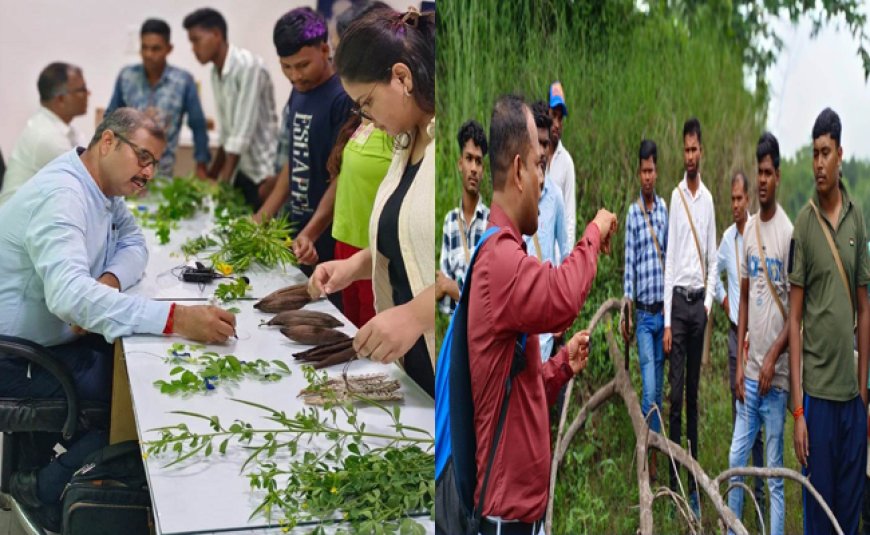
[
  {"x": 166, "y": 93},
  {"x": 731, "y": 252},
  {"x": 646, "y": 242},
  {"x": 70, "y": 247},
  {"x": 552, "y": 231}
]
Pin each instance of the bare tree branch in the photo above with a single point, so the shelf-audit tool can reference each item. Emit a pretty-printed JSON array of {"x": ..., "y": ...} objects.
[{"x": 785, "y": 473}]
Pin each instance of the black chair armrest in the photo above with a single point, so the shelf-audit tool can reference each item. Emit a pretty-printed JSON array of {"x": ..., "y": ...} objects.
[{"x": 11, "y": 346}]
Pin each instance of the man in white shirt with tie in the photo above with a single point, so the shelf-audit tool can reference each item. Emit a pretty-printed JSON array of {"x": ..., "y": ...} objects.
[
  {"x": 63, "y": 95},
  {"x": 690, "y": 278}
]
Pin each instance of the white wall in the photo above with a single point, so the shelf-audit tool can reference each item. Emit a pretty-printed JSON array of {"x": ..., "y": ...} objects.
[{"x": 101, "y": 36}]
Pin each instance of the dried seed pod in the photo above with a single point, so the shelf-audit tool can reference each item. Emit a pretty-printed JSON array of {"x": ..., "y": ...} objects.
[
  {"x": 323, "y": 350},
  {"x": 306, "y": 334},
  {"x": 335, "y": 358},
  {"x": 289, "y": 318},
  {"x": 282, "y": 303},
  {"x": 296, "y": 289}
]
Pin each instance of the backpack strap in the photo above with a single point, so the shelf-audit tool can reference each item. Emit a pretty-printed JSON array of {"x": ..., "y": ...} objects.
[{"x": 517, "y": 365}]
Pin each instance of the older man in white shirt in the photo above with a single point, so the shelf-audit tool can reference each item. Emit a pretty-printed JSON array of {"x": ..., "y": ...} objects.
[
  {"x": 690, "y": 281},
  {"x": 63, "y": 95},
  {"x": 561, "y": 168}
]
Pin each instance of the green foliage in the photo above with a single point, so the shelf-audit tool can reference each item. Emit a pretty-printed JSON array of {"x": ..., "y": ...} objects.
[
  {"x": 212, "y": 370},
  {"x": 374, "y": 489},
  {"x": 194, "y": 246},
  {"x": 180, "y": 198},
  {"x": 232, "y": 291},
  {"x": 797, "y": 183},
  {"x": 244, "y": 241}
]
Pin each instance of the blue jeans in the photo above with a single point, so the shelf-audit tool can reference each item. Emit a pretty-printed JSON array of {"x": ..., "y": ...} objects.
[
  {"x": 651, "y": 353},
  {"x": 752, "y": 413}
]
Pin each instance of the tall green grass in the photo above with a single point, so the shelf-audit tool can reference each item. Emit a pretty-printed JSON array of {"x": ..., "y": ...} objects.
[{"x": 627, "y": 75}]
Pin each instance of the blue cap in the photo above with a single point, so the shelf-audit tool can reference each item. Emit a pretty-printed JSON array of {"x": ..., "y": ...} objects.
[{"x": 557, "y": 97}]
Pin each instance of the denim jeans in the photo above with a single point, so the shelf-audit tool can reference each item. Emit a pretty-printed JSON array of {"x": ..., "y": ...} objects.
[
  {"x": 651, "y": 354},
  {"x": 752, "y": 413}
]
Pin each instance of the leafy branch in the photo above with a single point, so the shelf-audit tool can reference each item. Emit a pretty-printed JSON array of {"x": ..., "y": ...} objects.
[
  {"x": 215, "y": 370},
  {"x": 374, "y": 489},
  {"x": 232, "y": 291}
]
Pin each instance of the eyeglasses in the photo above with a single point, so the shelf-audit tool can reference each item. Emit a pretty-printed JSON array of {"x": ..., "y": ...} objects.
[
  {"x": 357, "y": 108},
  {"x": 82, "y": 89},
  {"x": 144, "y": 157}
]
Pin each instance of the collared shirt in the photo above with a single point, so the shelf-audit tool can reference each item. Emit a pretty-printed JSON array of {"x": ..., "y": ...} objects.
[
  {"x": 828, "y": 354},
  {"x": 551, "y": 227},
  {"x": 561, "y": 171},
  {"x": 682, "y": 266},
  {"x": 453, "y": 257},
  {"x": 174, "y": 95},
  {"x": 52, "y": 258},
  {"x": 644, "y": 278},
  {"x": 730, "y": 264},
  {"x": 513, "y": 293},
  {"x": 44, "y": 138},
  {"x": 246, "y": 112}
]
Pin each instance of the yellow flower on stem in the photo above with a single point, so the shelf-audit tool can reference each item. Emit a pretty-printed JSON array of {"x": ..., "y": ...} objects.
[{"x": 224, "y": 268}]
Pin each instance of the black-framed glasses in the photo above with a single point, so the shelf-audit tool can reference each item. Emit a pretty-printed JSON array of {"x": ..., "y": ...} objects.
[
  {"x": 358, "y": 107},
  {"x": 143, "y": 157},
  {"x": 82, "y": 89}
]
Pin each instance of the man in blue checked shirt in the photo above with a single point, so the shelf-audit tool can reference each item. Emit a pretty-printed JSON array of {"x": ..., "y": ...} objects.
[
  {"x": 731, "y": 250},
  {"x": 552, "y": 231},
  {"x": 646, "y": 243},
  {"x": 166, "y": 93},
  {"x": 464, "y": 225}
]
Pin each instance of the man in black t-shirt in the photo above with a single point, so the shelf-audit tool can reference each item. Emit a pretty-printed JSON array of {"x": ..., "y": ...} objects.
[{"x": 318, "y": 108}]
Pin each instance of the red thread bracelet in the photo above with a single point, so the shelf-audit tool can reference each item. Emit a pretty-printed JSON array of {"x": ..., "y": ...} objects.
[
  {"x": 170, "y": 320},
  {"x": 798, "y": 412}
]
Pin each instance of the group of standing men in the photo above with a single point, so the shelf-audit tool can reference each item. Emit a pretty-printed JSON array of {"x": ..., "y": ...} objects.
[{"x": 796, "y": 300}]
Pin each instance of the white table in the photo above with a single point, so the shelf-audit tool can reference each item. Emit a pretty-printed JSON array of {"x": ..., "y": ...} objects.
[
  {"x": 210, "y": 494},
  {"x": 162, "y": 274}
]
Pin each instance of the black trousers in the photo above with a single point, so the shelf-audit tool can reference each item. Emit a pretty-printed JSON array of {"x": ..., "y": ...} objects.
[{"x": 688, "y": 322}]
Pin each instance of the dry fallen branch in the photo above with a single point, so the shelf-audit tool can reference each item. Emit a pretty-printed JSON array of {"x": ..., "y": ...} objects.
[{"x": 621, "y": 385}]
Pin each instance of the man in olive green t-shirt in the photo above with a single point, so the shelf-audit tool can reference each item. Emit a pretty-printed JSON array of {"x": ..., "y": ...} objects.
[{"x": 830, "y": 433}]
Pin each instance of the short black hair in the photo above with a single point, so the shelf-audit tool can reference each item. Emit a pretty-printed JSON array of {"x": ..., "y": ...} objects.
[
  {"x": 692, "y": 126},
  {"x": 207, "y": 18},
  {"x": 355, "y": 11},
  {"x": 542, "y": 115},
  {"x": 299, "y": 28},
  {"x": 472, "y": 130},
  {"x": 828, "y": 122},
  {"x": 157, "y": 26},
  {"x": 53, "y": 78},
  {"x": 768, "y": 146},
  {"x": 648, "y": 148},
  {"x": 508, "y": 136},
  {"x": 740, "y": 175}
]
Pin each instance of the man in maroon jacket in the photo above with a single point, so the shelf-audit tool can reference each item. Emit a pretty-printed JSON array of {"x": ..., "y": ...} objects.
[{"x": 514, "y": 294}]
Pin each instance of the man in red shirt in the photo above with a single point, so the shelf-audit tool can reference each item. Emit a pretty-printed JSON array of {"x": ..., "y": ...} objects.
[{"x": 514, "y": 294}]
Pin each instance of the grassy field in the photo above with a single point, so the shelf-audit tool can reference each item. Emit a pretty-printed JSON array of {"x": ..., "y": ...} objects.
[{"x": 627, "y": 76}]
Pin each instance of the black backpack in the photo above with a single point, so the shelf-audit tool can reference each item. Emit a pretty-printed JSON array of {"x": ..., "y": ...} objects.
[{"x": 109, "y": 494}]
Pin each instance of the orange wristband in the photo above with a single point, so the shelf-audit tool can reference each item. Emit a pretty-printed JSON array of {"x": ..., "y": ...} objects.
[
  {"x": 798, "y": 412},
  {"x": 170, "y": 320}
]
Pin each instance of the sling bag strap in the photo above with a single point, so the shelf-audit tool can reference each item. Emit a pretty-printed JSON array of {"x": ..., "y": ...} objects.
[
  {"x": 770, "y": 286},
  {"x": 836, "y": 254},
  {"x": 652, "y": 232},
  {"x": 694, "y": 235}
]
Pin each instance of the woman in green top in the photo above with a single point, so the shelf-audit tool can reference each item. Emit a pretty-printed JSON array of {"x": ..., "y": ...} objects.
[{"x": 359, "y": 161}]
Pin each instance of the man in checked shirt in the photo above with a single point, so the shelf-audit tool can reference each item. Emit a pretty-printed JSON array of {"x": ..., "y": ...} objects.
[
  {"x": 465, "y": 224},
  {"x": 646, "y": 240}
]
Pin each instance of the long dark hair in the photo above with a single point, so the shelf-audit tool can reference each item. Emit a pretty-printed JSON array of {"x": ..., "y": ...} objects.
[{"x": 383, "y": 37}]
